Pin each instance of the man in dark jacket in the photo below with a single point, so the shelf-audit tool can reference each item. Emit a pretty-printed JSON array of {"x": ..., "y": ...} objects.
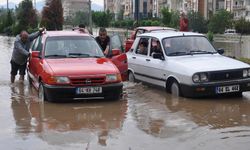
[
  {"x": 103, "y": 40},
  {"x": 21, "y": 53}
]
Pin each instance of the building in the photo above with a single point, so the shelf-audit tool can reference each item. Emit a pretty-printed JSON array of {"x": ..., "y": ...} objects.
[
  {"x": 139, "y": 9},
  {"x": 239, "y": 8},
  {"x": 70, "y": 7}
]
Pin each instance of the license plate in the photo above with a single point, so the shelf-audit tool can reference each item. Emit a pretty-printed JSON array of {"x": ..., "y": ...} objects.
[
  {"x": 88, "y": 90},
  {"x": 227, "y": 89}
]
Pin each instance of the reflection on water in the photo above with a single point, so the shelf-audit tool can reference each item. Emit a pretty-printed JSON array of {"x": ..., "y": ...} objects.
[
  {"x": 163, "y": 115},
  {"x": 50, "y": 119}
]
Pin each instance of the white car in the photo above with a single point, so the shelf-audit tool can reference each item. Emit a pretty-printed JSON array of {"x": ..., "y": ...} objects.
[{"x": 186, "y": 64}]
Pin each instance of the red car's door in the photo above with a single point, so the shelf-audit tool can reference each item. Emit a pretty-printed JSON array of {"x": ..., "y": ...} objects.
[
  {"x": 118, "y": 56},
  {"x": 34, "y": 60}
]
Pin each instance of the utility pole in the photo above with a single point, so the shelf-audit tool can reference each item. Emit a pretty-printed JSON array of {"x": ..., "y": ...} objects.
[
  {"x": 7, "y": 5},
  {"x": 35, "y": 4},
  {"x": 90, "y": 18}
]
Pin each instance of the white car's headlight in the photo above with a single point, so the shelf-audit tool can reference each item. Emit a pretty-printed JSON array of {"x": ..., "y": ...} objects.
[
  {"x": 245, "y": 73},
  {"x": 249, "y": 72},
  {"x": 113, "y": 77},
  {"x": 200, "y": 77},
  {"x": 196, "y": 78},
  {"x": 203, "y": 77},
  {"x": 62, "y": 80}
]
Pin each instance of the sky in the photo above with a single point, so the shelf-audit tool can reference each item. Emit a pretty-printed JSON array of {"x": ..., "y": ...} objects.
[{"x": 2, "y": 2}]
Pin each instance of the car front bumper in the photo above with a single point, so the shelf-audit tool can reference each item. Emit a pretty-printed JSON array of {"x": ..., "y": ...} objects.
[
  {"x": 209, "y": 89},
  {"x": 63, "y": 93}
]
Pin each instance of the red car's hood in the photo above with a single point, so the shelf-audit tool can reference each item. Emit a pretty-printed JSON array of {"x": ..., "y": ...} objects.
[{"x": 81, "y": 66}]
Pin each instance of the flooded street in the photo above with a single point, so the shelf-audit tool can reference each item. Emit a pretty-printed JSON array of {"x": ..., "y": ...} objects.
[{"x": 146, "y": 118}]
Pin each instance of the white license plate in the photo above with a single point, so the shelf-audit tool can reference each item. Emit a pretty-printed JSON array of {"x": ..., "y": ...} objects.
[
  {"x": 227, "y": 89},
  {"x": 88, "y": 90}
]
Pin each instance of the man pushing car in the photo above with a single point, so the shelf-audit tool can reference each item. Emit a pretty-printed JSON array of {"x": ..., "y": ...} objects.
[{"x": 21, "y": 53}]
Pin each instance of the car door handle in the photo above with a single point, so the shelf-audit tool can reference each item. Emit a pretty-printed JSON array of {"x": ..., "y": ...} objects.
[
  {"x": 147, "y": 59},
  {"x": 134, "y": 57}
]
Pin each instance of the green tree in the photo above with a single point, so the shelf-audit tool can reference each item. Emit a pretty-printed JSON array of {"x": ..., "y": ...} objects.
[
  {"x": 197, "y": 23},
  {"x": 80, "y": 18},
  {"x": 220, "y": 21},
  {"x": 26, "y": 16},
  {"x": 242, "y": 26},
  {"x": 166, "y": 16},
  {"x": 102, "y": 19},
  {"x": 52, "y": 15}
]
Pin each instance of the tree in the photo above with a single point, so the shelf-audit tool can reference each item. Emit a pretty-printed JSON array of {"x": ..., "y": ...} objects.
[
  {"x": 242, "y": 26},
  {"x": 166, "y": 16},
  {"x": 102, "y": 19},
  {"x": 220, "y": 21},
  {"x": 26, "y": 16},
  {"x": 197, "y": 23},
  {"x": 80, "y": 18},
  {"x": 52, "y": 15}
]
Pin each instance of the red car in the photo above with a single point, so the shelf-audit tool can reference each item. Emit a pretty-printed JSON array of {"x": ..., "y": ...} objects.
[
  {"x": 139, "y": 30},
  {"x": 69, "y": 65}
]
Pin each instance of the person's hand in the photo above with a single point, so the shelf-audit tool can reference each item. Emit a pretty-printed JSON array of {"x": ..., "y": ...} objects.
[{"x": 41, "y": 29}]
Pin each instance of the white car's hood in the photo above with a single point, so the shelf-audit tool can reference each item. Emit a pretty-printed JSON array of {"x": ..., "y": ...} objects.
[{"x": 204, "y": 63}]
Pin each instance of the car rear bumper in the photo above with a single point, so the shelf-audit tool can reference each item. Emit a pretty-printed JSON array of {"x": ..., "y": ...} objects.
[
  {"x": 203, "y": 90},
  {"x": 63, "y": 93}
]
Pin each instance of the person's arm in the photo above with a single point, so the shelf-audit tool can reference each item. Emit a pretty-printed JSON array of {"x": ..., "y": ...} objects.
[
  {"x": 19, "y": 47},
  {"x": 107, "y": 47},
  {"x": 34, "y": 35}
]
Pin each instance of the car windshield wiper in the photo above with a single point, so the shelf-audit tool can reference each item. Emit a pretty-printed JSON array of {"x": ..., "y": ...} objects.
[
  {"x": 177, "y": 53},
  {"x": 56, "y": 55},
  {"x": 75, "y": 55},
  {"x": 97, "y": 56},
  {"x": 200, "y": 52}
]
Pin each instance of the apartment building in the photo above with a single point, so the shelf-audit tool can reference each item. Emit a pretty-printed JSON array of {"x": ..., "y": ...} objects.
[
  {"x": 139, "y": 9},
  {"x": 239, "y": 8}
]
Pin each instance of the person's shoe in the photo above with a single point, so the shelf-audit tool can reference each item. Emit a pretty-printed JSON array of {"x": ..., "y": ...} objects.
[
  {"x": 21, "y": 78},
  {"x": 12, "y": 78}
]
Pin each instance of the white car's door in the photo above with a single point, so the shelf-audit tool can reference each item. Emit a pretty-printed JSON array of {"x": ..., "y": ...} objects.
[
  {"x": 140, "y": 57},
  {"x": 155, "y": 67}
]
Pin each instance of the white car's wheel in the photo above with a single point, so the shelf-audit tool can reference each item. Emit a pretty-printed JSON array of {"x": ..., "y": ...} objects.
[
  {"x": 41, "y": 95},
  {"x": 175, "y": 90},
  {"x": 131, "y": 76}
]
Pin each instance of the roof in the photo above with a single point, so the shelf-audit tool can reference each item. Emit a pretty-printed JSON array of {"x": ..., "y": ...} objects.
[
  {"x": 161, "y": 35},
  {"x": 152, "y": 28},
  {"x": 65, "y": 33}
]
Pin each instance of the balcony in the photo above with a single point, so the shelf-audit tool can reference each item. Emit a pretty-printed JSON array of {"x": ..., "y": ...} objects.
[{"x": 239, "y": 7}]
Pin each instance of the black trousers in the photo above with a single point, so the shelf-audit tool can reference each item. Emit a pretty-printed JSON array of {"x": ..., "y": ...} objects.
[{"x": 16, "y": 67}]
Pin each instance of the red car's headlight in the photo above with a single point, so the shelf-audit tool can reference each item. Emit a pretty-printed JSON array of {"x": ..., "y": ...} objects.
[{"x": 58, "y": 80}]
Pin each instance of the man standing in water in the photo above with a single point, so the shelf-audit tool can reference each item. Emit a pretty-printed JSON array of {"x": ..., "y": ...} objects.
[{"x": 21, "y": 53}]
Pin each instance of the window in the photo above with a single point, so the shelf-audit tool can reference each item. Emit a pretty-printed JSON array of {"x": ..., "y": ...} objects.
[
  {"x": 142, "y": 47},
  {"x": 37, "y": 44}
]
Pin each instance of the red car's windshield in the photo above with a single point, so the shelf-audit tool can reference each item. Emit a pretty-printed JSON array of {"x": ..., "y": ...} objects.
[{"x": 72, "y": 46}]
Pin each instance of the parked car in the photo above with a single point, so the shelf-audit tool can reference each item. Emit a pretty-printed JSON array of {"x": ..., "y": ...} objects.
[
  {"x": 70, "y": 65},
  {"x": 186, "y": 64},
  {"x": 230, "y": 31},
  {"x": 145, "y": 29}
]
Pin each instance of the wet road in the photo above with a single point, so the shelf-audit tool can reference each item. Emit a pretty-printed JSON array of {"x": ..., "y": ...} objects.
[{"x": 146, "y": 118}]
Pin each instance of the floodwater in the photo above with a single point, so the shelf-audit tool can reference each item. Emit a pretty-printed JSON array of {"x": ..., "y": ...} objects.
[{"x": 146, "y": 118}]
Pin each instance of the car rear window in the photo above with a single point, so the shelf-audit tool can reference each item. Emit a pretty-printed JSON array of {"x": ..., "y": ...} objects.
[{"x": 72, "y": 46}]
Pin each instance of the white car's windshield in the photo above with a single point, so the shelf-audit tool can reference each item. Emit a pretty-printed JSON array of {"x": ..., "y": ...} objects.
[
  {"x": 68, "y": 46},
  {"x": 187, "y": 45}
]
